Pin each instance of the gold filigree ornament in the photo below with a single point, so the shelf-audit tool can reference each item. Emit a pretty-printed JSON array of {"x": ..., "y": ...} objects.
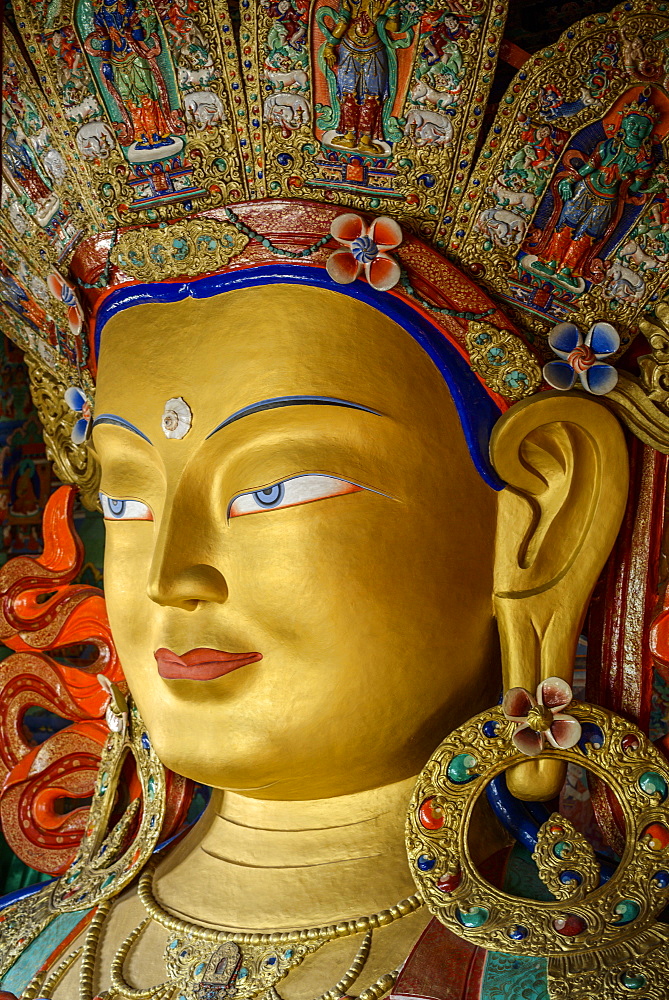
[
  {"x": 600, "y": 938},
  {"x": 183, "y": 249},
  {"x": 503, "y": 361},
  {"x": 202, "y": 963},
  {"x": 108, "y": 859}
]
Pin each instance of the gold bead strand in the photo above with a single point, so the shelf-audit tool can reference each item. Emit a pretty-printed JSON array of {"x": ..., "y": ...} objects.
[
  {"x": 116, "y": 972},
  {"x": 382, "y": 986},
  {"x": 43, "y": 988},
  {"x": 89, "y": 953},
  {"x": 352, "y": 973}
]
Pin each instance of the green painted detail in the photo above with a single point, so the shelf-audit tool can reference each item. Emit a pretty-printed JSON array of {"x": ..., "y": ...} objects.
[
  {"x": 522, "y": 877},
  {"x": 512, "y": 977}
]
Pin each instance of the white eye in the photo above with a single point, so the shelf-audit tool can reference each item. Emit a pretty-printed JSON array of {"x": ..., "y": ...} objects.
[
  {"x": 290, "y": 493},
  {"x": 124, "y": 510}
]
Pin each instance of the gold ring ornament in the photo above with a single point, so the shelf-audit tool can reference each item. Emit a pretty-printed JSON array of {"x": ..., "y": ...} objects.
[
  {"x": 592, "y": 925},
  {"x": 107, "y": 861}
]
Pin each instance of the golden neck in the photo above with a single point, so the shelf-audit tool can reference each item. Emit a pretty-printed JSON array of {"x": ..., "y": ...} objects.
[{"x": 253, "y": 864}]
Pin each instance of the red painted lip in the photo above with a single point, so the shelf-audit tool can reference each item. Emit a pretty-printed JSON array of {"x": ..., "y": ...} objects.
[{"x": 200, "y": 664}]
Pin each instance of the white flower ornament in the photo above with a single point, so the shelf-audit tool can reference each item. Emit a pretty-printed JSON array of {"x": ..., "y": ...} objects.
[
  {"x": 367, "y": 251},
  {"x": 77, "y": 400},
  {"x": 582, "y": 357},
  {"x": 542, "y": 719}
]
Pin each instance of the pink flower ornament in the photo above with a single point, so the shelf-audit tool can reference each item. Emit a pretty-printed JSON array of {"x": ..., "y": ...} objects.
[
  {"x": 367, "y": 251},
  {"x": 542, "y": 719}
]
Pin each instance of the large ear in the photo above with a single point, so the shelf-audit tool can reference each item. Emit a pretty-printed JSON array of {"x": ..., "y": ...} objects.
[{"x": 564, "y": 458}]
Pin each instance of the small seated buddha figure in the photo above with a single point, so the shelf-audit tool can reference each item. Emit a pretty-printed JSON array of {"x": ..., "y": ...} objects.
[{"x": 355, "y": 513}]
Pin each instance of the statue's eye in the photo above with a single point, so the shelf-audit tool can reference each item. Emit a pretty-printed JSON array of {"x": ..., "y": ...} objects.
[
  {"x": 124, "y": 510},
  {"x": 291, "y": 493}
]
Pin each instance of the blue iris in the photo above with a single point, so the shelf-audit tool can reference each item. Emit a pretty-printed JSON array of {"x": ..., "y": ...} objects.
[
  {"x": 116, "y": 507},
  {"x": 271, "y": 496}
]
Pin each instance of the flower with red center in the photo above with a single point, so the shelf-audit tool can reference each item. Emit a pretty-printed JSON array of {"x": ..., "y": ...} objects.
[
  {"x": 366, "y": 251},
  {"x": 582, "y": 357},
  {"x": 542, "y": 719}
]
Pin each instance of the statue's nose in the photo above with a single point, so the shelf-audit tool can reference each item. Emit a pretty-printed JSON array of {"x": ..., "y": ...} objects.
[{"x": 187, "y": 587}]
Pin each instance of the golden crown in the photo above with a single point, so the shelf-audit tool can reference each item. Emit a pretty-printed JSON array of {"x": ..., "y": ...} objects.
[{"x": 152, "y": 140}]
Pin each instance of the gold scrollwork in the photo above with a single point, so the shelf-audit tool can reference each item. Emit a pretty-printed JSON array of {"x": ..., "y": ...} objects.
[
  {"x": 73, "y": 463},
  {"x": 503, "y": 361},
  {"x": 562, "y": 851},
  {"x": 199, "y": 246},
  {"x": 619, "y": 915}
]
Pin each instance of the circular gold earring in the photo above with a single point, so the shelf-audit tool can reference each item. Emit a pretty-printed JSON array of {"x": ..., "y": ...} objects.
[
  {"x": 107, "y": 860},
  {"x": 594, "y": 931}
]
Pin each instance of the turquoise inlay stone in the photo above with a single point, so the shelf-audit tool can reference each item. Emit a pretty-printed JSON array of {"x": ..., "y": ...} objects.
[
  {"x": 199, "y": 969},
  {"x": 18, "y": 978},
  {"x": 461, "y": 769},
  {"x": 653, "y": 783},
  {"x": 626, "y": 911},
  {"x": 633, "y": 980},
  {"x": 288, "y": 953},
  {"x": 242, "y": 974},
  {"x": 151, "y": 786},
  {"x": 173, "y": 944},
  {"x": 108, "y": 880},
  {"x": 104, "y": 782},
  {"x": 562, "y": 849},
  {"x": 510, "y": 977},
  {"x": 474, "y": 917}
]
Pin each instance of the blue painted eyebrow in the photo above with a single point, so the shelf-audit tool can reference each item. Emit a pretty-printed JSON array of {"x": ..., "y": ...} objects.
[
  {"x": 111, "y": 418},
  {"x": 272, "y": 404}
]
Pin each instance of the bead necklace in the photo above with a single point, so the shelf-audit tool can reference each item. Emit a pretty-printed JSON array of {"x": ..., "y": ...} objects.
[{"x": 203, "y": 964}]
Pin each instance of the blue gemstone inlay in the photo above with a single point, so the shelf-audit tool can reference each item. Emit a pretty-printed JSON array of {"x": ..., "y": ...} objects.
[
  {"x": 592, "y": 738},
  {"x": 490, "y": 729},
  {"x": 426, "y": 863},
  {"x": 568, "y": 876},
  {"x": 662, "y": 879},
  {"x": 518, "y": 933},
  {"x": 146, "y": 742}
]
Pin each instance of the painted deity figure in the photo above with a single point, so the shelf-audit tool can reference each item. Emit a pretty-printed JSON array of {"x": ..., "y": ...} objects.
[
  {"x": 359, "y": 59},
  {"x": 22, "y": 171},
  {"x": 594, "y": 195},
  {"x": 127, "y": 42}
]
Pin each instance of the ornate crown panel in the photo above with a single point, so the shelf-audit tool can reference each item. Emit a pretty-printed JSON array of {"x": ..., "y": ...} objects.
[
  {"x": 152, "y": 98},
  {"x": 370, "y": 103},
  {"x": 567, "y": 213}
]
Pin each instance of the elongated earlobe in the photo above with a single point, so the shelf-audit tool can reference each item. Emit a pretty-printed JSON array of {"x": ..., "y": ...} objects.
[{"x": 564, "y": 458}]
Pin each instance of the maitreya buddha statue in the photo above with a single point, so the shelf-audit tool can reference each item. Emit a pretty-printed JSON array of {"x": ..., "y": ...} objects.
[{"x": 372, "y": 400}]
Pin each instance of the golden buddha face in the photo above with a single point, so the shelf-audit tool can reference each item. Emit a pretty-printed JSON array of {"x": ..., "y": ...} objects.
[{"x": 315, "y": 510}]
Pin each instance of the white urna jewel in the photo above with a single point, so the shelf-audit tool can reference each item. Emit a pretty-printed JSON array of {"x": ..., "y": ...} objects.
[{"x": 177, "y": 418}]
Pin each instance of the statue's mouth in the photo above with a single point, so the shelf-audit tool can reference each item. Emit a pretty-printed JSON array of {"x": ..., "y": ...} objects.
[{"x": 200, "y": 664}]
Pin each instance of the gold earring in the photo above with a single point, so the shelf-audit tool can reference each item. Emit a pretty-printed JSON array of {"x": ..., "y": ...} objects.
[
  {"x": 600, "y": 939},
  {"x": 107, "y": 860}
]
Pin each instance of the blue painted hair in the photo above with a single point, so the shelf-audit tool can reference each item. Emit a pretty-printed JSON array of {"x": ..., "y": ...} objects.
[{"x": 477, "y": 411}]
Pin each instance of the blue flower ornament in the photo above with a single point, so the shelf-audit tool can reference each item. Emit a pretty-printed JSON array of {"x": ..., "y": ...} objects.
[
  {"x": 582, "y": 357},
  {"x": 77, "y": 400}
]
